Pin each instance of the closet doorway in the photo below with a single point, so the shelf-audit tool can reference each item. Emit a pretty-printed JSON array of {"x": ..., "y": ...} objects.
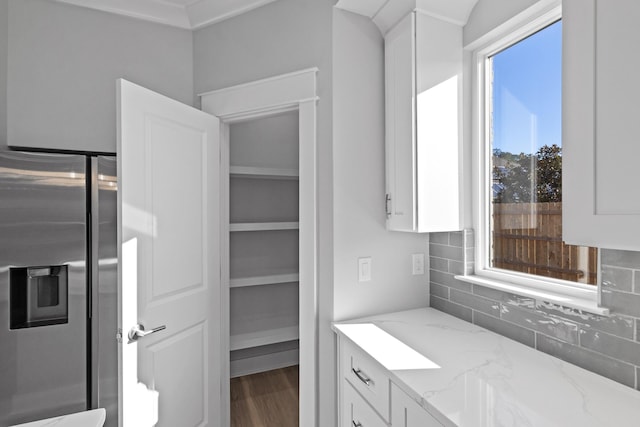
[
  {"x": 263, "y": 269},
  {"x": 268, "y": 313}
]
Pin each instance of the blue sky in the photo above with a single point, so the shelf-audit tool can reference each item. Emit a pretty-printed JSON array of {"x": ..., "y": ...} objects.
[{"x": 527, "y": 93}]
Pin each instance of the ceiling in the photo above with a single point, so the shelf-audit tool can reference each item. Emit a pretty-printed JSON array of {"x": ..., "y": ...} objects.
[
  {"x": 386, "y": 13},
  {"x": 189, "y": 14}
]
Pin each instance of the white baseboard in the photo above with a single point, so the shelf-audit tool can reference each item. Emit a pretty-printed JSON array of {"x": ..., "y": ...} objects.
[{"x": 267, "y": 362}]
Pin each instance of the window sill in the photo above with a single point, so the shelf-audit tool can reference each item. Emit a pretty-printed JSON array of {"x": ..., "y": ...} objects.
[{"x": 582, "y": 304}]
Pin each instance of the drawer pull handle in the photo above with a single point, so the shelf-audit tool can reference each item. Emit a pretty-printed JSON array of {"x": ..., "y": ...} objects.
[
  {"x": 356, "y": 424},
  {"x": 367, "y": 381}
]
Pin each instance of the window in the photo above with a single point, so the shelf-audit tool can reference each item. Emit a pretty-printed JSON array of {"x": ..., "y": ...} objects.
[{"x": 520, "y": 230}]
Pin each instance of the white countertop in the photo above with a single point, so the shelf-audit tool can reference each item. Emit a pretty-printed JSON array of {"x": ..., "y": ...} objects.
[
  {"x": 93, "y": 418},
  {"x": 476, "y": 378}
]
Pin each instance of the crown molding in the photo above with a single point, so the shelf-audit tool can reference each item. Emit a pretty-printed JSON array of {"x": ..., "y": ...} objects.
[
  {"x": 191, "y": 16},
  {"x": 207, "y": 12}
]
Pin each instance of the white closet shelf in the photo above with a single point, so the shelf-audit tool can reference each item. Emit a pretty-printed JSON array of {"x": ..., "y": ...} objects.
[
  {"x": 263, "y": 280},
  {"x": 263, "y": 173},
  {"x": 263, "y": 226},
  {"x": 259, "y": 338}
]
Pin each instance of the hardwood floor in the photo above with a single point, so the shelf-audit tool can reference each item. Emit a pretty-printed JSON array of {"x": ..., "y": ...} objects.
[{"x": 267, "y": 399}]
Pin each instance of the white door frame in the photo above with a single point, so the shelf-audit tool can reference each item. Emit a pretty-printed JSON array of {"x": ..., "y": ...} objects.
[{"x": 292, "y": 91}]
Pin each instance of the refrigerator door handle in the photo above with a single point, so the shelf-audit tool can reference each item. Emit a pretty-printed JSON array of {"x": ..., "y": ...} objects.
[{"x": 138, "y": 332}]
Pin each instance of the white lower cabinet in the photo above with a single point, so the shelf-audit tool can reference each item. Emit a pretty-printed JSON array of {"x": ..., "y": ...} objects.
[
  {"x": 369, "y": 398},
  {"x": 367, "y": 376},
  {"x": 356, "y": 412},
  {"x": 405, "y": 412}
]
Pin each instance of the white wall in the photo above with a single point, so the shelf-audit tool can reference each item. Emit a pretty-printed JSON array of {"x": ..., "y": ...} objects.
[
  {"x": 63, "y": 63},
  {"x": 278, "y": 38},
  {"x": 3, "y": 71},
  {"x": 359, "y": 181},
  {"x": 359, "y": 184},
  {"x": 348, "y": 50}
]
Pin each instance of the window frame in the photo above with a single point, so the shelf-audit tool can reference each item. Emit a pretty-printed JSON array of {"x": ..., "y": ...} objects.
[{"x": 548, "y": 289}]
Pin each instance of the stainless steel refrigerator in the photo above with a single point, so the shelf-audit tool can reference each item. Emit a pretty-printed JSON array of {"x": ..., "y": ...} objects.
[{"x": 58, "y": 284}]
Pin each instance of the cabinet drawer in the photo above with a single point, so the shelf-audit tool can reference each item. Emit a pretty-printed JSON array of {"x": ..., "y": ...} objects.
[
  {"x": 355, "y": 411},
  {"x": 405, "y": 412},
  {"x": 366, "y": 376}
]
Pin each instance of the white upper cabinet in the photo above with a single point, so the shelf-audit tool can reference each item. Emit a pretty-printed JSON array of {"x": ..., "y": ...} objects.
[
  {"x": 601, "y": 123},
  {"x": 423, "y": 90}
]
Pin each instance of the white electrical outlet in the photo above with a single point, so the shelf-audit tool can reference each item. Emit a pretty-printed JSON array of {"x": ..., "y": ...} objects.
[
  {"x": 418, "y": 264},
  {"x": 364, "y": 269}
]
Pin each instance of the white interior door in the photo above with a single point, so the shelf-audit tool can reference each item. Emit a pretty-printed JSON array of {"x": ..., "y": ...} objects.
[{"x": 168, "y": 231}]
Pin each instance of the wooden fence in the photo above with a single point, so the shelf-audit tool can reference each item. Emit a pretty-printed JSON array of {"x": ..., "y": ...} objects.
[{"x": 527, "y": 237}]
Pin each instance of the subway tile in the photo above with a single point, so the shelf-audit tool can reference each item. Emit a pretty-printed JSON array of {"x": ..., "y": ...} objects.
[
  {"x": 504, "y": 297},
  {"x": 453, "y": 309},
  {"x": 456, "y": 267},
  {"x": 470, "y": 268},
  {"x": 448, "y": 280},
  {"x": 461, "y": 286},
  {"x": 444, "y": 251},
  {"x": 440, "y": 238},
  {"x": 552, "y": 326},
  {"x": 636, "y": 281},
  {"x": 617, "y": 258},
  {"x": 637, "y": 334},
  {"x": 614, "y": 278},
  {"x": 606, "y": 366},
  {"x": 610, "y": 345},
  {"x": 469, "y": 238},
  {"x": 441, "y": 277},
  {"x": 509, "y": 330},
  {"x": 621, "y": 302},
  {"x": 439, "y": 264},
  {"x": 469, "y": 254},
  {"x": 456, "y": 238},
  {"x": 439, "y": 290},
  {"x": 637, "y": 378},
  {"x": 616, "y": 325},
  {"x": 475, "y": 302}
]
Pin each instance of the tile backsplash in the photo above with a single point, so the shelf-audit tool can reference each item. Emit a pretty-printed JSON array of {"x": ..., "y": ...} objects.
[{"x": 606, "y": 345}]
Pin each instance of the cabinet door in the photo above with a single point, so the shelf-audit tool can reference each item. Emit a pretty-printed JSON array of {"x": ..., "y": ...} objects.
[
  {"x": 438, "y": 121},
  {"x": 399, "y": 120},
  {"x": 423, "y": 108},
  {"x": 356, "y": 412},
  {"x": 366, "y": 376},
  {"x": 405, "y": 412},
  {"x": 601, "y": 203}
]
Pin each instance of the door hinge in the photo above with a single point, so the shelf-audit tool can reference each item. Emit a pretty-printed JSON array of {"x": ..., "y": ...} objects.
[
  {"x": 119, "y": 335},
  {"x": 387, "y": 204}
]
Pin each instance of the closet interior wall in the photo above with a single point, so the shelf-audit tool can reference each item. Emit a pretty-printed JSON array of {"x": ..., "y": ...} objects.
[{"x": 263, "y": 243}]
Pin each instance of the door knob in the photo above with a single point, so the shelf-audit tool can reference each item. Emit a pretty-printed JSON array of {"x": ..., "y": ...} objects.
[{"x": 138, "y": 332}]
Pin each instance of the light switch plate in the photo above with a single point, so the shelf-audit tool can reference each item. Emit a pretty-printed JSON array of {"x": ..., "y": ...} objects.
[
  {"x": 364, "y": 269},
  {"x": 418, "y": 264}
]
